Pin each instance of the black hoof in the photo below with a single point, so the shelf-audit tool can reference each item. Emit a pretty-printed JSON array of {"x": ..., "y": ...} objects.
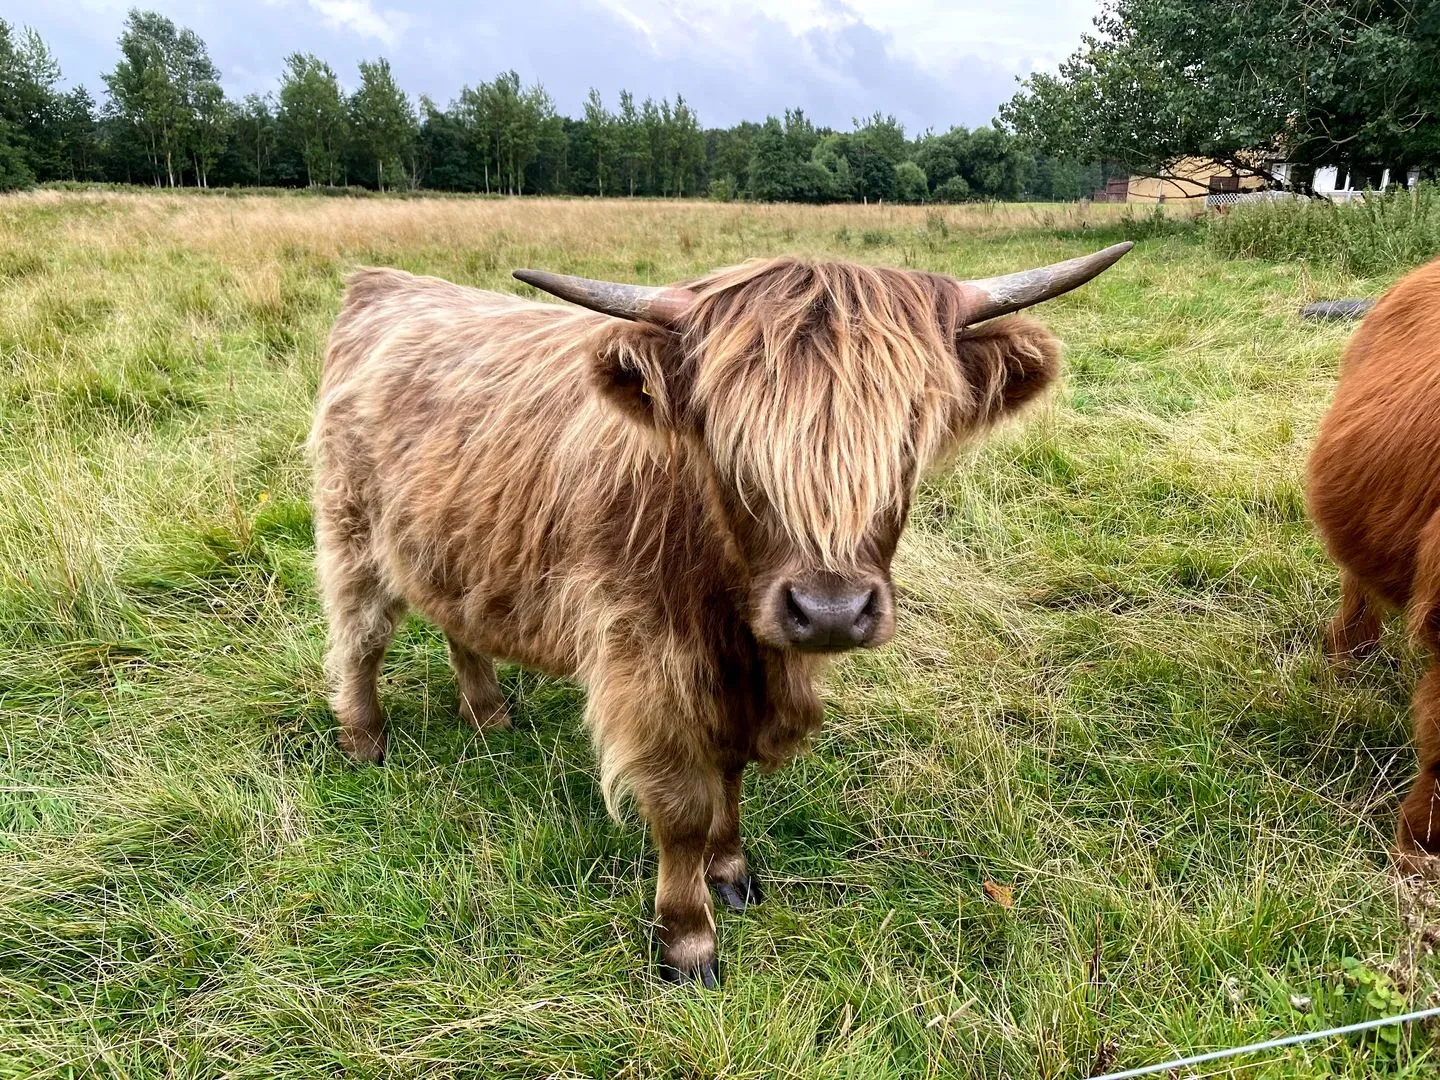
[
  {"x": 739, "y": 895},
  {"x": 707, "y": 975}
]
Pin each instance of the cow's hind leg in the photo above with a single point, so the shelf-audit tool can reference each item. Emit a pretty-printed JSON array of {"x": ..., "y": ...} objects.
[
  {"x": 1355, "y": 630},
  {"x": 725, "y": 865},
  {"x": 1417, "y": 835},
  {"x": 362, "y": 622},
  {"x": 481, "y": 703},
  {"x": 361, "y": 613}
]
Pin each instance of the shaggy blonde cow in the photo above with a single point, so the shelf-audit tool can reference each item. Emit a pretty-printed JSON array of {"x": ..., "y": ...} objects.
[{"x": 685, "y": 498}]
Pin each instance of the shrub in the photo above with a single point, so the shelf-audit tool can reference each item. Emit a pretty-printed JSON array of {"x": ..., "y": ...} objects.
[
  {"x": 723, "y": 188},
  {"x": 952, "y": 191},
  {"x": 910, "y": 183},
  {"x": 1377, "y": 235}
]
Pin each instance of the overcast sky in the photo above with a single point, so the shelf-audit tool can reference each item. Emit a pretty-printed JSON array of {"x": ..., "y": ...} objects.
[{"x": 930, "y": 62}]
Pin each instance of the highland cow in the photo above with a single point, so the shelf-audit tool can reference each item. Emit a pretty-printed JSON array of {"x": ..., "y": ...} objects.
[
  {"x": 1374, "y": 495},
  {"x": 686, "y": 498}
]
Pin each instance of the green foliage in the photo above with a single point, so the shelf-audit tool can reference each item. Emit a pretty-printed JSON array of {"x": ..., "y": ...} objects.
[
  {"x": 383, "y": 123},
  {"x": 32, "y": 110},
  {"x": 312, "y": 118},
  {"x": 954, "y": 190},
  {"x": 14, "y": 168},
  {"x": 911, "y": 186},
  {"x": 507, "y": 126},
  {"x": 1249, "y": 82},
  {"x": 1371, "y": 994},
  {"x": 166, "y": 90},
  {"x": 1381, "y": 234},
  {"x": 723, "y": 189},
  {"x": 771, "y": 172}
]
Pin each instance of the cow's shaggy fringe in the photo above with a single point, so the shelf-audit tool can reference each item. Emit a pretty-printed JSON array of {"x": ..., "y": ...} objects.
[{"x": 835, "y": 364}]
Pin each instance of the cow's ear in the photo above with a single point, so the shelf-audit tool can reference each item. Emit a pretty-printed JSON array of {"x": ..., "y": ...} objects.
[
  {"x": 1008, "y": 363},
  {"x": 637, "y": 369}
]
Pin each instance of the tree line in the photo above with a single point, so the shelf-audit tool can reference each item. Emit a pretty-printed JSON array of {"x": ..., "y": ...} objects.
[
  {"x": 1349, "y": 83},
  {"x": 165, "y": 120}
]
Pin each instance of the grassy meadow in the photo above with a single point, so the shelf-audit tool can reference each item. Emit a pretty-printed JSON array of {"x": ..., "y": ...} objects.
[{"x": 1106, "y": 696}]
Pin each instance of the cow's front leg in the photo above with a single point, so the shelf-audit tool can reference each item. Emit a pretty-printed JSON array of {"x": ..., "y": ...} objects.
[
  {"x": 664, "y": 757},
  {"x": 725, "y": 865},
  {"x": 684, "y": 917}
]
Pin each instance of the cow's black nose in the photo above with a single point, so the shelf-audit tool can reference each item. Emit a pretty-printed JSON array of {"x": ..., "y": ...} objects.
[{"x": 829, "y": 619}]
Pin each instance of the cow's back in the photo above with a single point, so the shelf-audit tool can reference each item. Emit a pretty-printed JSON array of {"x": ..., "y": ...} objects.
[
  {"x": 458, "y": 436},
  {"x": 1374, "y": 473}
]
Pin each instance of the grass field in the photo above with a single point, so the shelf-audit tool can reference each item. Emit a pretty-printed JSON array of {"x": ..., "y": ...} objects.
[{"x": 1106, "y": 694}]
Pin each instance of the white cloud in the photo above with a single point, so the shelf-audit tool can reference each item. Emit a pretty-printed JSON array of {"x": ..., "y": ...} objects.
[
  {"x": 934, "y": 33},
  {"x": 360, "y": 17}
]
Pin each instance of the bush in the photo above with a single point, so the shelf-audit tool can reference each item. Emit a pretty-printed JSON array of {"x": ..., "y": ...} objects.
[
  {"x": 723, "y": 188},
  {"x": 1378, "y": 235},
  {"x": 953, "y": 190},
  {"x": 910, "y": 183}
]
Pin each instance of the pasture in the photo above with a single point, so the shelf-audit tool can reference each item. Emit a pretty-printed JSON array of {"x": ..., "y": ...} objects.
[{"x": 1101, "y": 801}]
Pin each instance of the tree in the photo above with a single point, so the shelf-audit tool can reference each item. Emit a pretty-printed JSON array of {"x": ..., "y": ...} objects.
[
  {"x": 312, "y": 116},
  {"x": 30, "y": 107},
  {"x": 630, "y": 142},
  {"x": 472, "y": 114},
  {"x": 911, "y": 185},
  {"x": 770, "y": 172},
  {"x": 952, "y": 191},
  {"x": 14, "y": 169},
  {"x": 938, "y": 155},
  {"x": 446, "y": 154},
  {"x": 600, "y": 134},
  {"x": 167, "y": 91},
  {"x": 78, "y": 131},
  {"x": 508, "y": 124},
  {"x": 728, "y": 152},
  {"x": 875, "y": 148},
  {"x": 687, "y": 148},
  {"x": 383, "y": 121},
  {"x": 1242, "y": 85},
  {"x": 534, "y": 110},
  {"x": 993, "y": 164},
  {"x": 211, "y": 120},
  {"x": 829, "y": 157},
  {"x": 254, "y": 136}
]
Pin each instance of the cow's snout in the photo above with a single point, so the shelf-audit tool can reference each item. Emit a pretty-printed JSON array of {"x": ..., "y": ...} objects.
[{"x": 829, "y": 616}]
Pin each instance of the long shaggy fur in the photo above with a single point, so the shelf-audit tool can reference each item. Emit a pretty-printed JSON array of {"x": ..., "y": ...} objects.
[
  {"x": 618, "y": 503},
  {"x": 1374, "y": 495}
]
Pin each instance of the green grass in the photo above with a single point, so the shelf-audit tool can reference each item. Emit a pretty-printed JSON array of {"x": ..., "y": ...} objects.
[
  {"x": 1106, "y": 692},
  {"x": 1376, "y": 235}
]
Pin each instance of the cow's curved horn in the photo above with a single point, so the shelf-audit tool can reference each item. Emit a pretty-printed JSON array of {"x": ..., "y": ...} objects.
[
  {"x": 644, "y": 303},
  {"x": 994, "y": 296}
]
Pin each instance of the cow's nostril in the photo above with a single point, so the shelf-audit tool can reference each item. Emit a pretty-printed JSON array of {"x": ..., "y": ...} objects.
[
  {"x": 795, "y": 609},
  {"x": 868, "y": 611},
  {"x": 865, "y": 618}
]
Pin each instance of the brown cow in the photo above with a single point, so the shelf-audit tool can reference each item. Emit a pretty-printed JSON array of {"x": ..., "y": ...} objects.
[
  {"x": 1374, "y": 495},
  {"x": 685, "y": 512}
]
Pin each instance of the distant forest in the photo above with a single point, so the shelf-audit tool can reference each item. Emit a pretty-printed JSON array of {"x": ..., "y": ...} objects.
[{"x": 166, "y": 121}]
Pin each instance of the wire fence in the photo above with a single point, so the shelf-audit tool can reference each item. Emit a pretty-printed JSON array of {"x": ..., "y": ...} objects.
[{"x": 1270, "y": 1044}]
